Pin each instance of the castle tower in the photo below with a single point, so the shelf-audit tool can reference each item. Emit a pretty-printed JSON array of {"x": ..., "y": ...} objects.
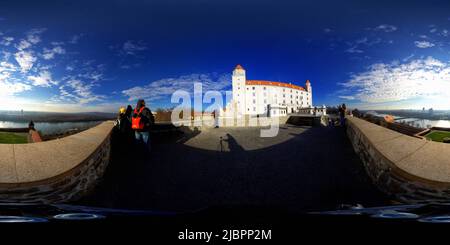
[
  {"x": 238, "y": 88},
  {"x": 309, "y": 90}
]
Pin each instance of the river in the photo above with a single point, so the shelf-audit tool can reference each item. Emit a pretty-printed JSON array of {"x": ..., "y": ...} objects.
[
  {"x": 417, "y": 122},
  {"x": 48, "y": 128}
]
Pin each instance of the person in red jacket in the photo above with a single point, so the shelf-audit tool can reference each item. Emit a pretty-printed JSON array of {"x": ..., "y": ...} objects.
[{"x": 141, "y": 122}]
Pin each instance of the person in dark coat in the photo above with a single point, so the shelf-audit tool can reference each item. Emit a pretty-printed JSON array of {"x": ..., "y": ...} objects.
[{"x": 342, "y": 112}]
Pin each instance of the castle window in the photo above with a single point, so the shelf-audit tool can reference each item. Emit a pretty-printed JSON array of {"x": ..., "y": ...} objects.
[
  {"x": 265, "y": 101},
  {"x": 254, "y": 101},
  {"x": 254, "y": 108},
  {"x": 254, "y": 94},
  {"x": 264, "y": 88},
  {"x": 253, "y": 88}
]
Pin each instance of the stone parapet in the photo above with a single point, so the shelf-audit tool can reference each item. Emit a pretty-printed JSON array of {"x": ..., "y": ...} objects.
[
  {"x": 410, "y": 169},
  {"x": 56, "y": 170}
]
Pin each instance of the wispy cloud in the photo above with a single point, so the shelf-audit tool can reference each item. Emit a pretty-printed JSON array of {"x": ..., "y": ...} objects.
[
  {"x": 130, "y": 48},
  {"x": 10, "y": 86},
  {"x": 75, "y": 38},
  {"x": 358, "y": 45},
  {"x": 49, "y": 54},
  {"x": 25, "y": 59},
  {"x": 423, "y": 44},
  {"x": 25, "y": 64},
  {"x": 164, "y": 88},
  {"x": 420, "y": 78},
  {"x": 384, "y": 28},
  {"x": 77, "y": 91},
  {"x": 6, "y": 41},
  {"x": 347, "y": 97},
  {"x": 44, "y": 79}
]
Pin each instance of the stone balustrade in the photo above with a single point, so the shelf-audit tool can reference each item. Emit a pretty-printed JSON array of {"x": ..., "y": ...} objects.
[
  {"x": 410, "y": 169},
  {"x": 56, "y": 170}
]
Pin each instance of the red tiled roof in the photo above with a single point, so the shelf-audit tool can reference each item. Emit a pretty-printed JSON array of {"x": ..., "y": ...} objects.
[
  {"x": 239, "y": 67},
  {"x": 271, "y": 83}
]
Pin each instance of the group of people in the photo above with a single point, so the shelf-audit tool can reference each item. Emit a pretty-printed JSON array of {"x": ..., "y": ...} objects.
[{"x": 133, "y": 125}]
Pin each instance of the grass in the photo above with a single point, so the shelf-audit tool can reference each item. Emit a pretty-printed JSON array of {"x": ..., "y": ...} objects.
[
  {"x": 13, "y": 138},
  {"x": 437, "y": 135}
]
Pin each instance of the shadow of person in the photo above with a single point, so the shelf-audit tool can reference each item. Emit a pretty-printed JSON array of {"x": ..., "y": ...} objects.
[
  {"x": 233, "y": 145},
  {"x": 188, "y": 134}
]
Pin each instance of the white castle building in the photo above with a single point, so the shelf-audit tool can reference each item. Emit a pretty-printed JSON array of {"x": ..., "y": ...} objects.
[{"x": 268, "y": 98}]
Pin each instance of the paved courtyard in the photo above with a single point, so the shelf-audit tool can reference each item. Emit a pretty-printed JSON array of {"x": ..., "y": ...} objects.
[{"x": 303, "y": 168}]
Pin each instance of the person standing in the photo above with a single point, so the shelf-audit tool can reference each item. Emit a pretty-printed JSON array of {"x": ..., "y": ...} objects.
[
  {"x": 342, "y": 112},
  {"x": 141, "y": 122}
]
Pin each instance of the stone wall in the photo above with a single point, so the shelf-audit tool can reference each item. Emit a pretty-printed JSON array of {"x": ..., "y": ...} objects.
[
  {"x": 55, "y": 171},
  {"x": 409, "y": 169}
]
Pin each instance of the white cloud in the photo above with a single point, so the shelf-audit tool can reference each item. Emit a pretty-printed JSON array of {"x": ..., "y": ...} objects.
[
  {"x": 354, "y": 49},
  {"x": 6, "y": 41},
  {"x": 423, "y": 44},
  {"x": 25, "y": 59},
  {"x": 23, "y": 44},
  {"x": 347, "y": 97},
  {"x": 385, "y": 28},
  {"x": 75, "y": 38},
  {"x": 44, "y": 79},
  {"x": 33, "y": 36},
  {"x": 49, "y": 54},
  {"x": 164, "y": 88},
  {"x": 131, "y": 47},
  {"x": 419, "y": 79},
  {"x": 8, "y": 85},
  {"x": 80, "y": 93},
  {"x": 7, "y": 67},
  {"x": 357, "y": 46}
]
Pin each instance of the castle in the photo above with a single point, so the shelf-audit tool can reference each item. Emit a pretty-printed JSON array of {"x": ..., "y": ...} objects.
[{"x": 268, "y": 98}]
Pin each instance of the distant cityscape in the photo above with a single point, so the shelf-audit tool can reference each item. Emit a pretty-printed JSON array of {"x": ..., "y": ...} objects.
[{"x": 425, "y": 118}]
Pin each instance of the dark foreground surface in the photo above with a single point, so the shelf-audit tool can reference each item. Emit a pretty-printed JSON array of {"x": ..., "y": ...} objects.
[{"x": 301, "y": 169}]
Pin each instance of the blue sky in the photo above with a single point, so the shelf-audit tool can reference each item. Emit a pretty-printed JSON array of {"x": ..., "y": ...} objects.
[{"x": 97, "y": 56}]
